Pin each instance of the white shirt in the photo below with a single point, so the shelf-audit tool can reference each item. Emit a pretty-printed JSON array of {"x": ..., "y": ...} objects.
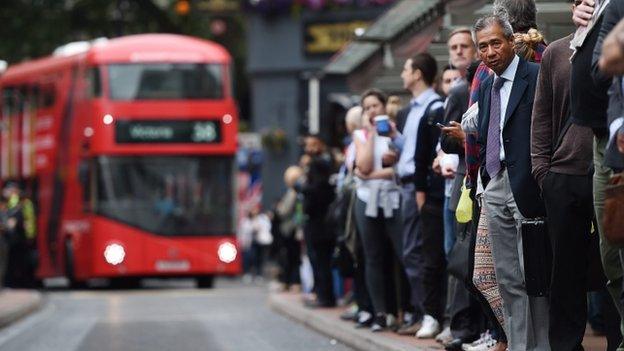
[
  {"x": 406, "y": 165},
  {"x": 509, "y": 74},
  {"x": 386, "y": 187}
]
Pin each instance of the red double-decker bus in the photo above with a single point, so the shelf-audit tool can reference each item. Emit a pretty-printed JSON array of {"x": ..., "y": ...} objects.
[{"x": 126, "y": 147}]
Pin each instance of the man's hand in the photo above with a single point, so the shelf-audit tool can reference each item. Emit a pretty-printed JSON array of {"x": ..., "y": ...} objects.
[
  {"x": 454, "y": 130},
  {"x": 436, "y": 165},
  {"x": 612, "y": 58},
  {"x": 389, "y": 158},
  {"x": 448, "y": 172},
  {"x": 620, "y": 141},
  {"x": 11, "y": 223},
  {"x": 421, "y": 197},
  {"x": 583, "y": 13}
]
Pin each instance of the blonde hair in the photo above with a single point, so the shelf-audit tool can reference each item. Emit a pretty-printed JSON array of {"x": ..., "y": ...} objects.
[
  {"x": 353, "y": 119},
  {"x": 525, "y": 44},
  {"x": 393, "y": 106},
  {"x": 292, "y": 174}
]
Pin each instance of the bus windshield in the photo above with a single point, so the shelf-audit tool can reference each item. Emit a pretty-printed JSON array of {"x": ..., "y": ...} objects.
[
  {"x": 170, "y": 196},
  {"x": 165, "y": 81}
]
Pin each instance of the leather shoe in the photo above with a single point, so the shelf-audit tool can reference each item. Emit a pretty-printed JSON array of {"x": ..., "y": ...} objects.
[
  {"x": 454, "y": 345},
  {"x": 409, "y": 329},
  {"x": 318, "y": 304}
]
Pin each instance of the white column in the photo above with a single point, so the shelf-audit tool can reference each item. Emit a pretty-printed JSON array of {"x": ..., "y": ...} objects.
[{"x": 314, "y": 113}]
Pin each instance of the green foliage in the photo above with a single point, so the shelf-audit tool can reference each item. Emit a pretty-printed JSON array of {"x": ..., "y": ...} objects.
[{"x": 34, "y": 28}]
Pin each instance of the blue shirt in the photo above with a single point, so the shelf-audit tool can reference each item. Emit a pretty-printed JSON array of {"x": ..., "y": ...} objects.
[{"x": 406, "y": 166}]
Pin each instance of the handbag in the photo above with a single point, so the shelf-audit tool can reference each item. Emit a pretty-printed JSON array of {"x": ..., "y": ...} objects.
[
  {"x": 461, "y": 258},
  {"x": 463, "y": 213},
  {"x": 537, "y": 254},
  {"x": 613, "y": 218}
]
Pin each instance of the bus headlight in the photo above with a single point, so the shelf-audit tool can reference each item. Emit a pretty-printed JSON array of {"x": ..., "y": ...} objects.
[
  {"x": 227, "y": 252},
  {"x": 114, "y": 254}
]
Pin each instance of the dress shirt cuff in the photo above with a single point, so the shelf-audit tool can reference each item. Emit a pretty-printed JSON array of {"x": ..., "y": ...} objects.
[{"x": 399, "y": 141}]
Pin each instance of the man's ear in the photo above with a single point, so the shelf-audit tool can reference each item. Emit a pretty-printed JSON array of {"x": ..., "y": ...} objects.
[{"x": 418, "y": 74}]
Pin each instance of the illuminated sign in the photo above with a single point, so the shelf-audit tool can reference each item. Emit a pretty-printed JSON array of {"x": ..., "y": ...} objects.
[
  {"x": 194, "y": 132},
  {"x": 328, "y": 38}
]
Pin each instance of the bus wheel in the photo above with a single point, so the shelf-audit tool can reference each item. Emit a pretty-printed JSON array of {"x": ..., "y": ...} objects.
[
  {"x": 205, "y": 282},
  {"x": 69, "y": 268}
]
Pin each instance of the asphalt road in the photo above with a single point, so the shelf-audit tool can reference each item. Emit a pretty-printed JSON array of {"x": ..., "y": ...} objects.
[{"x": 231, "y": 317}]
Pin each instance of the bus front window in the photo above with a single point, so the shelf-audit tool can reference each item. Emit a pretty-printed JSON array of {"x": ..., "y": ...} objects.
[
  {"x": 166, "y": 81},
  {"x": 171, "y": 196}
]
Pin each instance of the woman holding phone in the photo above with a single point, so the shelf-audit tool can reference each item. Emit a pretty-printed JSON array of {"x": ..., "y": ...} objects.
[{"x": 377, "y": 208}]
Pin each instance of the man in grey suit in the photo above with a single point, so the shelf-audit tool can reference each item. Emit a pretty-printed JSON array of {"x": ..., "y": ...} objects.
[{"x": 511, "y": 194}]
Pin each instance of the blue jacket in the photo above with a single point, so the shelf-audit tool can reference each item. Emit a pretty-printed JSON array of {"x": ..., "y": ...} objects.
[{"x": 516, "y": 137}]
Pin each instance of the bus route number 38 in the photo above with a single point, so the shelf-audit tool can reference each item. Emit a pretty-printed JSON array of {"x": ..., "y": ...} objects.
[{"x": 204, "y": 132}]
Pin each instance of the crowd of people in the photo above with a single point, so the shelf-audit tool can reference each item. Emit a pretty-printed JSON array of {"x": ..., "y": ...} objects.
[{"x": 474, "y": 214}]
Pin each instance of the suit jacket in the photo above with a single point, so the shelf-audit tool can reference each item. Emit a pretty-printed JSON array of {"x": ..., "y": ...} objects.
[
  {"x": 516, "y": 137},
  {"x": 456, "y": 105}
]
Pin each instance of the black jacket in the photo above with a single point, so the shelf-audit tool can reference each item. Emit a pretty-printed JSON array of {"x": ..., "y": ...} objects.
[
  {"x": 426, "y": 180},
  {"x": 516, "y": 137},
  {"x": 588, "y": 91},
  {"x": 456, "y": 106},
  {"x": 611, "y": 16}
]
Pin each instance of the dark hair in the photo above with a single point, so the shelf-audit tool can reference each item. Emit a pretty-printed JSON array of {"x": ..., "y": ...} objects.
[
  {"x": 521, "y": 14},
  {"x": 448, "y": 67},
  {"x": 376, "y": 93},
  {"x": 427, "y": 66}
]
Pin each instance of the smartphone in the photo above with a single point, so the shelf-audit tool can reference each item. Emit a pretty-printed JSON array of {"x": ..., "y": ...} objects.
[{"x": 440, "y": 125}]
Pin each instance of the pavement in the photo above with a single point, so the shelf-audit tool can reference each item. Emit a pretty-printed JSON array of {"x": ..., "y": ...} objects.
[
  {"x": 16, "y": 304},
  {"x": 327, "y": 321}
]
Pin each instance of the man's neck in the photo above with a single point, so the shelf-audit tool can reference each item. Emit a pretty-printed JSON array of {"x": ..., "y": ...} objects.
[
  {"x": 419, "y": 88},
  {"x": 506, "y": 66}
]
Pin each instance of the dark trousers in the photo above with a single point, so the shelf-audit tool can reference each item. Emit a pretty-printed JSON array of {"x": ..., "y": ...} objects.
[
  {"x": 412, "y": 248},
  {"x": 467, "y": 318},
  {"x": 360, "y": 291},
  {"x": 568, "y": 201},
  {"x": 431, "y": 229},
  {"x": 20, "y": 270},
  {"x": 320, "y": 249},
  {"x": 289, "y": 260},
  {"x": 378, "y": 235}
]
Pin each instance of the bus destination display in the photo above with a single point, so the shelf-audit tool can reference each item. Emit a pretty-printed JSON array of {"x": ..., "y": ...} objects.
[{"x": 194, "y": 132}]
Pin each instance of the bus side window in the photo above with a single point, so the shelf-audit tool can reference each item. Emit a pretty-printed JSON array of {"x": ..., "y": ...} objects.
[
  {"x": 48, "y": 96},
  {"x": 94, "y": 82},
  {"x": 35, "y": 98},
  {"x": 9, "y": 100},
  {"x": 84, "y": 177}
]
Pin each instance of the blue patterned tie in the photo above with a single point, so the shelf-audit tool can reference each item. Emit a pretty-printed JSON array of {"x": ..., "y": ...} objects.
[{"x": 492, "y": 156}]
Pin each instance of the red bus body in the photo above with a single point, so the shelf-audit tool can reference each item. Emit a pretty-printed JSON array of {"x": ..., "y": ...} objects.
[{"x": 130, "y": 142}]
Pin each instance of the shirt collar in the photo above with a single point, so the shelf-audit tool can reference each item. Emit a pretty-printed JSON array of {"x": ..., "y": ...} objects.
[
  {"x": 423, "y": 97},
  {"x": 510, "y": 73}
]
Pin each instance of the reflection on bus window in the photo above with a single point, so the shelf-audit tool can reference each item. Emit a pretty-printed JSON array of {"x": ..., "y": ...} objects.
[
  {"x": 165, "y": 81},
  {"x": 172, "y": 196}
]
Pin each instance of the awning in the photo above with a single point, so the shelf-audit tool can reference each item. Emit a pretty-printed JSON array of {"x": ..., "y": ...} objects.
[{"x": 407, "y": 15}]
